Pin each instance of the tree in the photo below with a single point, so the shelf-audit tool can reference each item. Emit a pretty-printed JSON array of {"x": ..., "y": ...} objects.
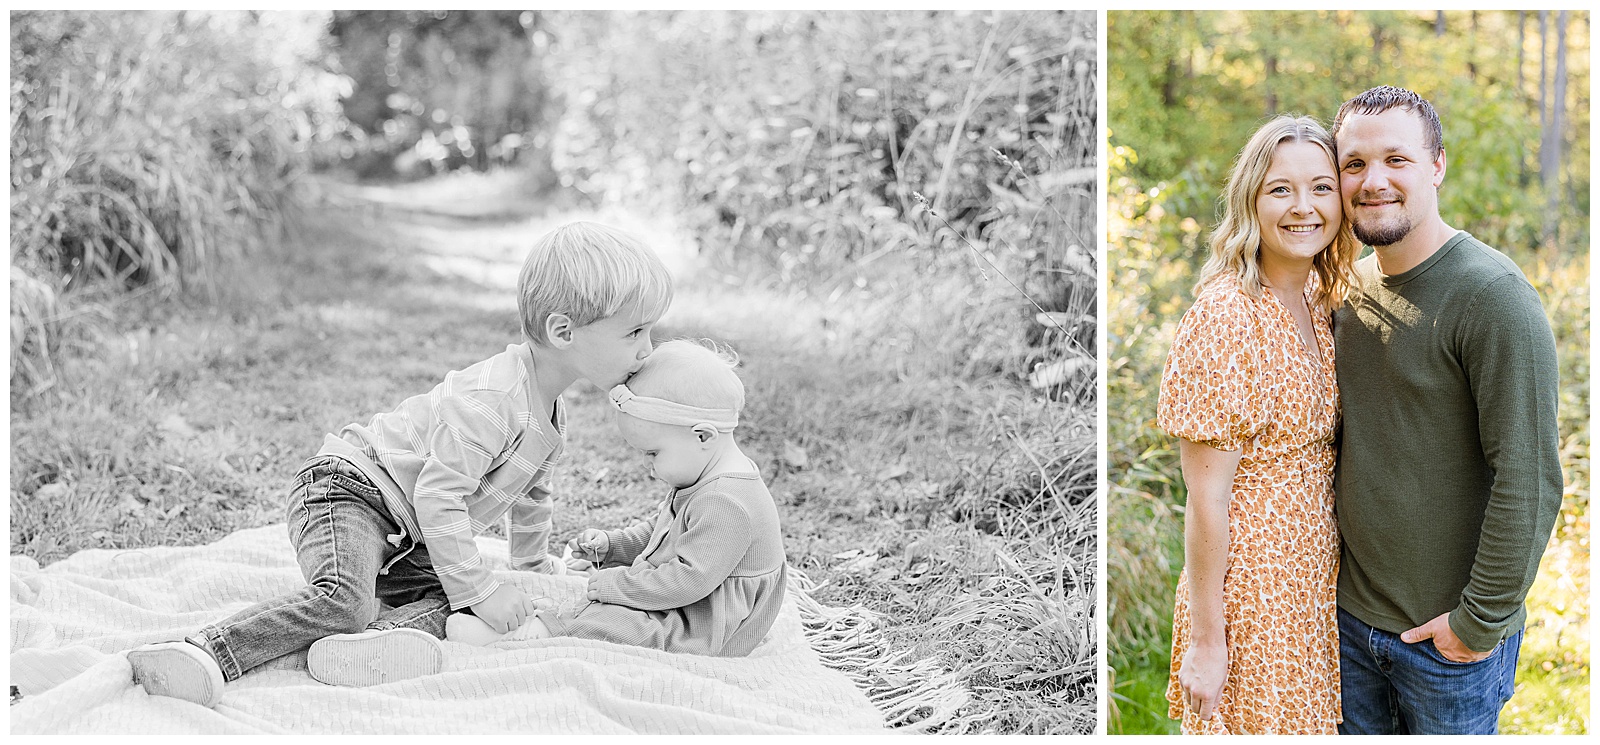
[
  {"x": 448, "y": 89},
  {"x": 1551, "y": 142},
  {"x": 1522, "y": 46}
]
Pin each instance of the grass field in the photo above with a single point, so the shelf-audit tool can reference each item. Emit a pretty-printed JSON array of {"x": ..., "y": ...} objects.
[
  {"x": 1552, "y": 693},
  {"x": 912, "y": 478}
]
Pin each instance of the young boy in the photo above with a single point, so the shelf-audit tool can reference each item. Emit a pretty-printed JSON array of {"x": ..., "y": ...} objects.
[{"x": 385, "y": 514}]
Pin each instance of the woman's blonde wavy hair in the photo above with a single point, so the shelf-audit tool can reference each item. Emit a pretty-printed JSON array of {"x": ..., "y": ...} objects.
[{"x": 1236, "y": 241}]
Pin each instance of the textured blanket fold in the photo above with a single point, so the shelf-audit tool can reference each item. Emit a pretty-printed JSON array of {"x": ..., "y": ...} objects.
[{"x": 72, "y": 622}]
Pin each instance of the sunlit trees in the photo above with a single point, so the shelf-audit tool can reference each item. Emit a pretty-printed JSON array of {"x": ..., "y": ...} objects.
[
  {"x": 1186, "y": 88},
  {"x": 433, "y": 91}
]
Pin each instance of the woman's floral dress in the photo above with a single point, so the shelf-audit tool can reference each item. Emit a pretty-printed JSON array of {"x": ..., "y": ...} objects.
[{"x": 1239, "y": 376}]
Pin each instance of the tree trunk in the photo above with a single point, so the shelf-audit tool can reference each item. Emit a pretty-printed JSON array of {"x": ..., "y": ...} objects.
[
  {"x": 1438, "y": 24},
  {"x": 1552, "y": 179},
  {"x": 1271, "y": 78},
  {"x": 1522, "y": 94},
  {"x": 1169, "y": 84},
  {"x": 1522, "y": 22},
  {"x": 1472, "y": 46},
  {"x": 1544, "y": 84}
]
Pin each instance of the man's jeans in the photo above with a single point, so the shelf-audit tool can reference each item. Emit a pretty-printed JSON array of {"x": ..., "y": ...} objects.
[
  {"x": 1391, "y": 687},
  {"x": 340, "y": 528}
]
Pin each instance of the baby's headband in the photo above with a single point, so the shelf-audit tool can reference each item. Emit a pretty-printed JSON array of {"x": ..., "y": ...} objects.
[{"x": 670, "y": 412}]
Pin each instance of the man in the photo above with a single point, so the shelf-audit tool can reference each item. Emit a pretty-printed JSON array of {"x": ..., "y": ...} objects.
[{"x": 1449, "y": 481}]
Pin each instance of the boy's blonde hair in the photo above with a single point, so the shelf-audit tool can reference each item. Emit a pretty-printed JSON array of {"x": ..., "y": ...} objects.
[
  {"x": 589, "y": 272},
  {"x": 693, "y": 372}
]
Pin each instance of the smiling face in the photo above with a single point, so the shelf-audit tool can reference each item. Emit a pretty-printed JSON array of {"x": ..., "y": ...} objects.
[
  {"x": 1388, "y": 176},
  {"x": 1298, "y": 203},
  {"x": 609, "y": 350},
  {"x": 677, "y": 454}
]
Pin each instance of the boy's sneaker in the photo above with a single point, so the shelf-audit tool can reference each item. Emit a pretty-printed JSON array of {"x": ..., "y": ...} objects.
[
  {"x": 177, "y": 670},
  {"x": 374, "y": 657}
]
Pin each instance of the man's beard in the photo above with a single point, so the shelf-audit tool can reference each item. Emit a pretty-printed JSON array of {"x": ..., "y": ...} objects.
[{"x": 1382, "y": 232}]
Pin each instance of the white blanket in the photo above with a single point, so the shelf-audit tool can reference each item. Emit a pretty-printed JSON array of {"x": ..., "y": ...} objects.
[{"x": 72, "y": 623}]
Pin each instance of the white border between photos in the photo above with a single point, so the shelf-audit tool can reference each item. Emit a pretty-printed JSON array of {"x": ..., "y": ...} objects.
[{"x": 1103, "y": 673}]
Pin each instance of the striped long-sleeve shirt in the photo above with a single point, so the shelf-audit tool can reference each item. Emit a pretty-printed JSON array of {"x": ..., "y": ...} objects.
[{"x": 477, "y": 448}]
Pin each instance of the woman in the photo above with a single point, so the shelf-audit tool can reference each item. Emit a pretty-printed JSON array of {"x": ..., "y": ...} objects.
[{"x": 1249, "y": 389}]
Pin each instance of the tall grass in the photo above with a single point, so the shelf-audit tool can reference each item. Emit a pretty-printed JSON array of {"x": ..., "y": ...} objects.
[
  {"x": 146, "y": 148},
  {"x": 794, "y": 141},
  {"x": 959, "y": 506},
  {"x": 967, "y": 514}
]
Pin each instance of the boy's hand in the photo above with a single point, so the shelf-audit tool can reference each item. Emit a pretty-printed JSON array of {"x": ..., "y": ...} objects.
[
  {"x": 592, "y": 545},
  {"x": 505, "y": 610}
]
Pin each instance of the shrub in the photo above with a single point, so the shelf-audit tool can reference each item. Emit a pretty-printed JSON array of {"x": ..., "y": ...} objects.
[
  {"x": 794, "y": 143},
  {"x": 146, "y": 147},
  {"x": 733, "y": 112}
]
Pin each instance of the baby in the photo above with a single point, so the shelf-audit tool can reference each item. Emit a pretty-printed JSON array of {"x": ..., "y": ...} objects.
[{"x": 708, "y": 577}]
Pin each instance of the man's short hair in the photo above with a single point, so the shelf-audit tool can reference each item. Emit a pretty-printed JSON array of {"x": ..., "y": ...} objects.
[
  {"x": 589, "y": 272},
  {"x": 1384, "y": 97},
  {"x": 693, "y": 372}
]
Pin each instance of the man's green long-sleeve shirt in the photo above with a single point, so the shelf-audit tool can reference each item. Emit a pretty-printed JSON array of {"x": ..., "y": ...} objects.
[{"x": 1449, "y": 479}]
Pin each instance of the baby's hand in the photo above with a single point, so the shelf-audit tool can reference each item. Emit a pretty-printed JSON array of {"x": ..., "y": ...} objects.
[
  {"x": 576, "y": 565},
  {"x": 592, "y": 545},
  {"x": 505, "y": 609}
]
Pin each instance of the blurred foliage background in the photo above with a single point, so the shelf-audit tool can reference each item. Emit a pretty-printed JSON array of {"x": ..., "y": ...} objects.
[
  {"x": 148, "y": 145},
  {"x": 145, "y": 149},
  {"x": 1184, "y": 92}
]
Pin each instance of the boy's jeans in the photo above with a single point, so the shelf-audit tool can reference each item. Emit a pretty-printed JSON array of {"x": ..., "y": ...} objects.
[
  {"x": 339, "y": 526},
  {"x": 1391, "y": 687}
]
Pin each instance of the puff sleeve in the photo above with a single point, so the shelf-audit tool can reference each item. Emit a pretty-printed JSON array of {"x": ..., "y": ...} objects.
[{"x": 1215, "y": 389}]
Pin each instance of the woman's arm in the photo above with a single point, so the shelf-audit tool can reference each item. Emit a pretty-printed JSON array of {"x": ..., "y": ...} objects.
[{"x": 1208, "y": 473}]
